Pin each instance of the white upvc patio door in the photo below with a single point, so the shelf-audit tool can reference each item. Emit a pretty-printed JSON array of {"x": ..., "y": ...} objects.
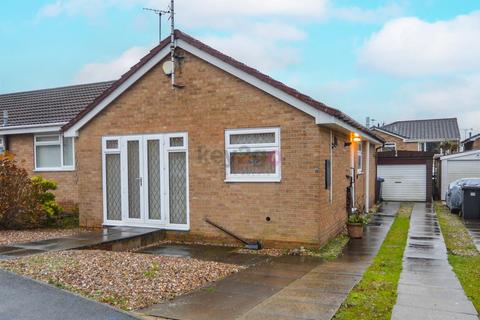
[
  {"x": 145, "y": 180},
  {"x": 133, "y": 196}
]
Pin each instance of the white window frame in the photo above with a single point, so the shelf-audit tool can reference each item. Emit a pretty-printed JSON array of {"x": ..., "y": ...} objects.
[
  {"x": 2, "y": 144},
  {"x": 390, "y": 145},
  {"x": 166, "y": 149},
  {"x": 254, "y": 147},
  {"x": 52, "y": 143},
  {"x": 360, "y": 157}
]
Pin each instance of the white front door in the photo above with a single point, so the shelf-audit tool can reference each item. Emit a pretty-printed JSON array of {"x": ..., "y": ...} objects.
[
  {"x": 145, "y": 180},
  {"x": 403, "y": 182}
]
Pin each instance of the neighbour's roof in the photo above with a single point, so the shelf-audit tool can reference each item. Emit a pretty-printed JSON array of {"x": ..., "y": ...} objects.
[
  {"x": 472, "y": 138},
  {"x": 428, "y": 129},
  {"x": 229, "y": 60},
  {"x": 48, "y": 106}
]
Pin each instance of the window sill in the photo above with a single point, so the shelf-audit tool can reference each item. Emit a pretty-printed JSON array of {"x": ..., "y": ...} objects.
[
  {"x": 253, "y": 179},
  {"x": 360, "y": 172},
  {"x": 55, "y": 170}
]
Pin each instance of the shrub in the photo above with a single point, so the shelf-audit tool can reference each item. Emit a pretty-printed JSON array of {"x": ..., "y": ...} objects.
[
  {"x": 24, "y": 202},
  {"x": 47, "y": 198}
]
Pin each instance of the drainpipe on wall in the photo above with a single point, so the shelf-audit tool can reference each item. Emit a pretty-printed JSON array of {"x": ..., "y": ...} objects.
[
  {"x": 352, "y": 172},
  {"x": 367, "y": 179},
  {"x": 331, "y": 167}
]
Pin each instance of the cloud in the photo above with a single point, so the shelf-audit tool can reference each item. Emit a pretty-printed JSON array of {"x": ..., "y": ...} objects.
[
  {"x": 436, "y": 98},
  {"x": 110, "y": 70},
  {"x": 229, "y": 13},
  {"x": 266, "y": 55},
  {"x": 413, "y": 47},
  {"x": 89, "y": 8}
]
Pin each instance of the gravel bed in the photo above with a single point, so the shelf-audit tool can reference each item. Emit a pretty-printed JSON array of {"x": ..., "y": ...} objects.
[
  {"x": 122, "y": 279},
  {"x": 17, "y": 236},
  {"x": 265, "y": 252}
]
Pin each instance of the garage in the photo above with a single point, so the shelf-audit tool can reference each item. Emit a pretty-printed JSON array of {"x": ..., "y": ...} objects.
[
  {"x": 407, "y": 175},
  {"x": 457, "y": 166},
  {"x": 403, "y": 182}
]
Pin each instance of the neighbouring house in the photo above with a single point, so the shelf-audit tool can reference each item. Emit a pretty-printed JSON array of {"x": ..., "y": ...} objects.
[
  {"x": 471, "y": 143},
  {"x": 430, "y": 135},
  {"x": 226, "y": 142}
]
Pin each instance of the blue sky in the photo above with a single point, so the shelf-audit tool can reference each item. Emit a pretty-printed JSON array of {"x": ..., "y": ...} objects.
[{"x": 390, "y": 60}]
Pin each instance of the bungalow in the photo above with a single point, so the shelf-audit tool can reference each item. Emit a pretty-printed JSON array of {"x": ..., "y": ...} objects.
[
  {"x": 226, "y": 142},
  {"x": 471, "y": 143},
  {"x": 419, "y": 135}
]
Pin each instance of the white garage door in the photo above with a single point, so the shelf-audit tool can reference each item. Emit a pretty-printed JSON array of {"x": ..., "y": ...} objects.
[
  {"x": 458, "y": 169},
  {"x": 403, "y": 182}
]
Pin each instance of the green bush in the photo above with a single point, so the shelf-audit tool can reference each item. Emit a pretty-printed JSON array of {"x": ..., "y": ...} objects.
[
  {"x": 24, "y": 202},
  {"x": 47, "y": 198}
]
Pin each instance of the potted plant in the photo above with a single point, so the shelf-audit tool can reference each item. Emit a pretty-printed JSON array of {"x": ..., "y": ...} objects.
[{"x": 355, "y": 225}]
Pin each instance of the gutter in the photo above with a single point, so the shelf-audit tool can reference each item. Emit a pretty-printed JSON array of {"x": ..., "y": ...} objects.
[{"x": 34, "y": 128}]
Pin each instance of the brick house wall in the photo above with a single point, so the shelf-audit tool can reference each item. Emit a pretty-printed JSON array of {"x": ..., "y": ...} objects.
[
  {"x": 67, "y": 192},
  {"x": 299, "y": 206},
  {"x": 476, "y": 145},
  {"x": 401, "y": 145}
]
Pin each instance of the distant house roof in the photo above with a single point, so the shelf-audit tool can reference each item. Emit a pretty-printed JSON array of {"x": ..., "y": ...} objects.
[
  {"x": 472, "y": 138},
  {"x": 429, "y": 129},
  {"x": 48, "y": 106}
]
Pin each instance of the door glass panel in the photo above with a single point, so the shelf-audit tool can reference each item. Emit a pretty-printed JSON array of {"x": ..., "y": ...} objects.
[
  {"x": 154, "y": 188},
  {"x": 133, "y": 155},
  {"x": 113, "y": 184},
  {"x": 177, "y": 187}
]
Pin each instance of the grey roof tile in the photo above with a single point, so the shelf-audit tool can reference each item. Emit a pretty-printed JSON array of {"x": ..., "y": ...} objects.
[
  {"x": 429, "y": 129},
  {"x": 56, "y": 105}
]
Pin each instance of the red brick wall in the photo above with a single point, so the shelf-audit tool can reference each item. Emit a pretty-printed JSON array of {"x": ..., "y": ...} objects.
[
  {"x": 212, "y": 101},
  {"x": 67, "y": 192}
]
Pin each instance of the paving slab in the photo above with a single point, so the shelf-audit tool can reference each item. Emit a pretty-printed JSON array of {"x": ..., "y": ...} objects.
[
  {"x": 428, "y": 288},
  {"x": 209, "y": 253},
  {"x": 287, "y": 287},
  {"x": 78, "y": 241}
]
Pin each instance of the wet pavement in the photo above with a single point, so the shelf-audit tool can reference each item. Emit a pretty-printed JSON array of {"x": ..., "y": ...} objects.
[
  {"x": 222, "y": 254},
  {"x": 473, "y": 227},
  {"x": 287, "y": 287},
  {"x": 428, "y": 288},
  {"x": 26, "y": 299},
  {"x": 77, "y": 241}
]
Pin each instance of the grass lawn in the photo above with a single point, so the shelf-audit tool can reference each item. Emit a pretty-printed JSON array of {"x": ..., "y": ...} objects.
[
  {"x": 375, "y": 295},
  {"x": 462, "y": 253}
]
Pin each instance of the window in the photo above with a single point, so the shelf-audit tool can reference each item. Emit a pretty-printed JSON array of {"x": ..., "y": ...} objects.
[
  {"x": 253, "y": 155},
  {"x": 54, "y": 152},
  {"x": 430, "y": 147},
  {"x": 389, "y": 146},
  {"x": 360, "y": 157},
  {"x": 2, "y": 144}
]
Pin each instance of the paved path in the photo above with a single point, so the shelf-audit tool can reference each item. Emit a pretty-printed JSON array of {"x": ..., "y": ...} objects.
[
  {"x": 288, "y": 287},
  {"x": 26, "y": 299},
  {"x": 82, "y": 240},
  {"x": 428, "y": 288},
  {"x": 473, "y": 227}
]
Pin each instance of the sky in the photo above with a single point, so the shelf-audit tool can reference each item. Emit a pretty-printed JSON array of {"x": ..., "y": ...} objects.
[{"x": 388, "y": 60}]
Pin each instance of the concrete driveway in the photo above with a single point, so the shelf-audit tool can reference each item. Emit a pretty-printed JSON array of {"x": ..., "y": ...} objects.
[{"x": 26, "y": 299}]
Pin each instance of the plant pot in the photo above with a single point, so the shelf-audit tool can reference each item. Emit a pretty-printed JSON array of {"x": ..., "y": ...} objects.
[{"x": 355, "y": 230}]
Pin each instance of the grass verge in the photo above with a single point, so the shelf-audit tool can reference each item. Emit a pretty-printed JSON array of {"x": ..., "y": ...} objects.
[
  {"x": 375, "y": 295},
  {"x": 462, "y": 253},
  {"x": 331, "y": 250}
]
